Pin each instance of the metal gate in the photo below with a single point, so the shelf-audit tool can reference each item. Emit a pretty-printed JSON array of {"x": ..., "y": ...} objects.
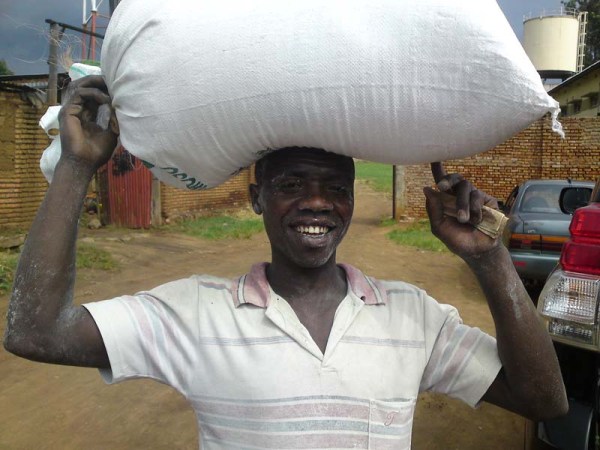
[{"x": 128, "y": 191}]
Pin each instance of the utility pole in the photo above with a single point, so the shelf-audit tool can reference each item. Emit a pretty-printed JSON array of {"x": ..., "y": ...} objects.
[
  {"x": 93, "y": 38},
  {"x": 55, "y": 37},
  {"x": 89, "y": 53},
  {"x": 399, "y": 192},
  {"x": 57, "y": 30}
]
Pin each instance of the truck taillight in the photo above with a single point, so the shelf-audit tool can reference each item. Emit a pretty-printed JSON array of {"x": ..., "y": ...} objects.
[
  {"x": 586, "y": 222},
  {"x": 570, "y": 299},
  {"x": 569, "y": 305},
  {"x": 582, "y": 253}
]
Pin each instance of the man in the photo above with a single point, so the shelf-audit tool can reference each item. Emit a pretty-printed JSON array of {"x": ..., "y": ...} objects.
[{"x": 301, "y": 352}]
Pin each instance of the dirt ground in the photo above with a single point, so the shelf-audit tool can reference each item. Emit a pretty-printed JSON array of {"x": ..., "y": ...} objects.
[{"x": 56, "y": 407}]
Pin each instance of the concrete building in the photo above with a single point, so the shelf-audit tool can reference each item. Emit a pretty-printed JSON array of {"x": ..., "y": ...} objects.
[{"x": 579, "y": 95}]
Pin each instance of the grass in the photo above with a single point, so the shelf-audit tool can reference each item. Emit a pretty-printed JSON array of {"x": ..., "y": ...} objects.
[
  {"x": 92, "y": 257},
  {"x": 378, "y": 176},
  {"x": 220, "y": 227},
  {"x": 388, "y": 222},
  {"x": 8, "y": 264},
  {"x": 88, "y": 257},
  {"x": 416, "y": 234}
]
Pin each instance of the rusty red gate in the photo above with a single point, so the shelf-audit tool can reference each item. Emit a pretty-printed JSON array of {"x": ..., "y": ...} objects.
[{"x": 127, "y": 191}]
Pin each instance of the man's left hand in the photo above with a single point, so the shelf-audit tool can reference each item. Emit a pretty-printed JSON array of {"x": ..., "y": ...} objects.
[{"x": 459, "y": 233}]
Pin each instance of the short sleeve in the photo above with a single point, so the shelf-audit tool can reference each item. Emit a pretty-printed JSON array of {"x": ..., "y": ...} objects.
[
  {"x": 150, "y": 334},
  {"x": 462, "y": 361}
]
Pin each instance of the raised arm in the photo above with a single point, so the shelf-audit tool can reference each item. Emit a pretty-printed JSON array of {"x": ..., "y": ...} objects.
[
  {"x": 43, "y": 324},
  {"x": 530, "y": 382}
]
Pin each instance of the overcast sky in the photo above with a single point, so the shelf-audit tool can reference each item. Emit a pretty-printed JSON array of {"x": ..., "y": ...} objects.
[{"x": 24, "y": 33}]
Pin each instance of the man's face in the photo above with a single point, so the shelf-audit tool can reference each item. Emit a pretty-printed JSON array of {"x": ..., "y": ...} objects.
[{"x": 307, "y": 200}]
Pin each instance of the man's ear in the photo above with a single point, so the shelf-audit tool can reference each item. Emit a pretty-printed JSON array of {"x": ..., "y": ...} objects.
[{"x": 254, "y": 195}]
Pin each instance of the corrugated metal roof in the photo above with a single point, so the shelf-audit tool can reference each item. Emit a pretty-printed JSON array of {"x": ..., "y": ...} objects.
[
  {"x": 13, "y": 87},
  {"x": 37, "y": 82},
  {"x": 576, "y": 77}
]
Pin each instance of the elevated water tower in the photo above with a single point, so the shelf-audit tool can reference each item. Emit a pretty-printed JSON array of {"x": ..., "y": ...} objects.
[{"x": 555, "y": 42}]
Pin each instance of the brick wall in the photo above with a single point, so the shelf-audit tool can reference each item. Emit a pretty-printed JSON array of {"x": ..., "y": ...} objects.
[
  {"x": 536, "y": 152},
  {"x": 578, "y": 156},
  {"x": 22, "y": 141},
  {"x": 234, "y": 193}
]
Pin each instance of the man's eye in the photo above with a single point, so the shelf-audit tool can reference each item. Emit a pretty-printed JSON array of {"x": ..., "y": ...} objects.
[
  {"x": 289, "y": 186},
  {"x": 339, "y": 189}
]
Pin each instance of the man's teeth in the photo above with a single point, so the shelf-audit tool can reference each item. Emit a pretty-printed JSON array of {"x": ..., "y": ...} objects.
[{"x": 312, "y": 230}]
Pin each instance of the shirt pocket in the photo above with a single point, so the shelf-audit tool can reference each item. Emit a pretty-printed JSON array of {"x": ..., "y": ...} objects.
[{"x": 390, "y": 424}]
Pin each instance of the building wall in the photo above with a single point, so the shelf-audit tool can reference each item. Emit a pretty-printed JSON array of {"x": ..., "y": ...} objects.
[
  {"x": 22, "y": 141},
  {"x": 179, "y": 202},
  {"x": 580, "y": 98},
  {"x": 534, "y": 153}
]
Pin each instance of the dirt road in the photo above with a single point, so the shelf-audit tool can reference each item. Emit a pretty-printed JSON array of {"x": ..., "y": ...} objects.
[{"x": 54, "y": 407}]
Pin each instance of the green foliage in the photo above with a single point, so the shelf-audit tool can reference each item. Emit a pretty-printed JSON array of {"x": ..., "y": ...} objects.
[
  {"x": 378, "y": 176},
  {"x": 417, "y": 234},
  {"x": 388, "y": 222},
  {"x": 92, "y": 257},
  {"x": 8, "y": 265},
  {"x": 4, "y": 70},
  {"x": 88, "y": 257},
  {"x": 592, "y": 49},
  {"x": 220, "y": 227}
]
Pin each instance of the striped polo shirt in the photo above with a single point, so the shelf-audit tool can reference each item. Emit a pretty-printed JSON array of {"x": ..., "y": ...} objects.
[{"x": 256, "y": 379}]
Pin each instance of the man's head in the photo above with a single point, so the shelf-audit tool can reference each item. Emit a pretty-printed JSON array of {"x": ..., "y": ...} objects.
[{"x": 306, "y": 197}]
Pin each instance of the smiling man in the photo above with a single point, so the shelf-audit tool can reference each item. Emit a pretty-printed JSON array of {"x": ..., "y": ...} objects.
[
  {"x": 306, "y": 197},
  {"x": 301, "y": 352}
]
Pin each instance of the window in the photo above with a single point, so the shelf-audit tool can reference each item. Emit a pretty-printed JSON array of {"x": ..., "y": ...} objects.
[
  {"x": 541, "y": 199},
  {"x": 564, "y": 111},
  {"x": 510, "y": 200}
]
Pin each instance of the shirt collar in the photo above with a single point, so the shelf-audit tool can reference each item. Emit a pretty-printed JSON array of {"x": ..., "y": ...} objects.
[{"x": 253, "y": 288}]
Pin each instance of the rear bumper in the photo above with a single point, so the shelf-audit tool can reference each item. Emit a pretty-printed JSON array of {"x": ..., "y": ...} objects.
[{"x": 534, "y": 266}]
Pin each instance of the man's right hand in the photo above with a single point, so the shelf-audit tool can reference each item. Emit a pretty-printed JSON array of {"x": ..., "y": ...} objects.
[{"x": 82, "y": 139}]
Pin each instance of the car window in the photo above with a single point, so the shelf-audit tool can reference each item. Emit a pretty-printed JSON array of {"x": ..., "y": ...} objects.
[
  {"x": 541, "y": 199},
  {"x": 510, "y": 201}
]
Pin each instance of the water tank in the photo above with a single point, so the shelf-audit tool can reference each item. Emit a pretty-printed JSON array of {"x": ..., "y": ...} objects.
[{"x": 551, "y": 40}]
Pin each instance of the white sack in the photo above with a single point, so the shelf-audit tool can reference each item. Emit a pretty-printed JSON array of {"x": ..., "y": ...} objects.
[
  {"x": 202, "y": 88},
  {"x": 50, "y": 157},
  {"x": 49, "y": 122}
]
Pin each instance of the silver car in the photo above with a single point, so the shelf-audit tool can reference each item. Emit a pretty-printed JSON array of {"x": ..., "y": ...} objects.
[{"x": 537, "y": 226}]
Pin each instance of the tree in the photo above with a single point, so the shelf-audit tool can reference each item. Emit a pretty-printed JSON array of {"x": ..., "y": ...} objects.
[
  {"x": 592, "y": 48},
  {"x": 4, "y": 70}
]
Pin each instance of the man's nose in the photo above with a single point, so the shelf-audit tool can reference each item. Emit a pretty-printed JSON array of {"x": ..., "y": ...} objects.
[{"x": 316, "y": 199}]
